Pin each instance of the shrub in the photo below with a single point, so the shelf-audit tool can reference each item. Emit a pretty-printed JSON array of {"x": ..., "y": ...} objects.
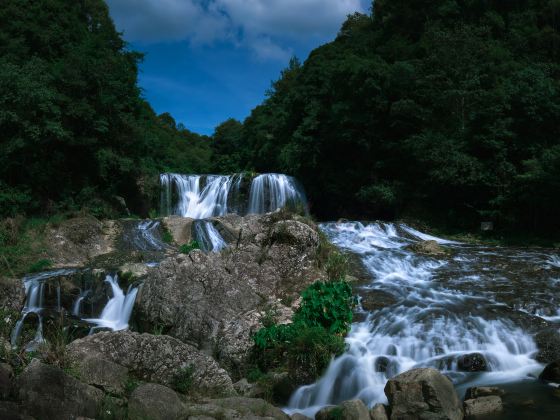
[
  {"x": 183, "y": 380},
  {"x": 40, "y": 265},
  {"x": 336, "y": 266},
  {"x": 186, "y": 248}
]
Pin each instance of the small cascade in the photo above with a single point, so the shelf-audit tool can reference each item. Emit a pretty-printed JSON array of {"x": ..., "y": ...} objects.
[
  {"x": 198, "y": 196},
  {"x": 445, "y": 312},
  {"x": 35, "y": 304},
  {"x": 270, "y": 192},
  {"x": 208, "y": 237},
  {"x": 144, "y": 236},
  {"x": 204, "y": 196},
  {"x": 76, "y": 308},
  {"x": 116, "y": 314}
]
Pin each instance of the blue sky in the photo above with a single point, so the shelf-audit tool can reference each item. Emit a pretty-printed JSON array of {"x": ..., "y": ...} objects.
[{"x": 209, "y": 60}]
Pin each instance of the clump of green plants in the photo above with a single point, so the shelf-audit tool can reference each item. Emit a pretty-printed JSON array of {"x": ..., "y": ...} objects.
[
  {"x": 187, "y": 248},
  {"x": 183, "y": 380},
  {"x": 166, "y": 235},
  {"x": 40, "y": 265},
  {"x": 305, "y": 347},
  {"x": 336, "y": 266}
]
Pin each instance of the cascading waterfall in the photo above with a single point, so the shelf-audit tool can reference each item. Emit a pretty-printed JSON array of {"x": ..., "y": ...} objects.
[
  {"x": 145, "y": 236},
  {"x": 35, "y": 304},
  {"x": 204, "y": 196},
  {"x": 435, "y": 319},
  {"x": 208, "y": 237},
  {"x": 116, "y": 314},
  {"x": 270, "y": 192}
]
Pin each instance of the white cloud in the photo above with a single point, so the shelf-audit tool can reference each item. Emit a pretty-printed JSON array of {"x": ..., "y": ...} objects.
[{"x": 264, "y": 26}]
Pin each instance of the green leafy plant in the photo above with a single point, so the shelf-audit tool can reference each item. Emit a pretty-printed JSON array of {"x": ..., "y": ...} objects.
[
  {"x": 40, "y": 265},
  {"x": 166, "y": 236},
  {"x": 183, "y": 380},
  {"x": 186, "y": 248},
  {"x": 336, "y": 266}
]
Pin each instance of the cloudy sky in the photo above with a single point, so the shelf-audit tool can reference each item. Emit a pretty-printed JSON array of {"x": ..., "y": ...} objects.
[{"x": 208, "y": 60}]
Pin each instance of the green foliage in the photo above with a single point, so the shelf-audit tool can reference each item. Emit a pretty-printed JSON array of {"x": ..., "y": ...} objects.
[
  {"x": 306, "y": 346},
  {"x": 186, "y": 248},
  {"x": 449, "y": 115},
  {"x": 166, "y": 235},
  {"x": 130, "y": 385},
  {"x": 183, "y": 380},
  {"x": 40, "y": 265},
  {"x": 328, "y": 305},
  {"x": 336, "y": 266}
]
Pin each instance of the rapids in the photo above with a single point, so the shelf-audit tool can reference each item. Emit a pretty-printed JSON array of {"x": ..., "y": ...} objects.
[{"x": 478, "y": 302}]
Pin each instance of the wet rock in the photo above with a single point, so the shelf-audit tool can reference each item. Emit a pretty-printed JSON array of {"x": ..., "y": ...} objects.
[
  {"x": 330, "y": 412},
  {"x": 474, "y": 362},
  {"x": 299, "y": 416},
  {"x": 548, "y": 342},
  {"x": 155, "y": 402},
  {"x": 423, "y": 393},
  {"x": 354, "y": 410},
  {"x": 216, "y": 300},
  {"x": 378, "y": 412},
  {"x": 372, "y": 299},
  {"x": 234, "y": 408},
  {"x": 6, "y": 377},
  {"x": 154, "y": 358},
  {"x": 10, "y": 410},
  {"x": 551, "y": 372},
  {"x": 483, "y": 391},
  {"x": 180, "y": 228},
  {"x": 482, "y": 406},
  {"x": 104, "y": 374},
  {"x": 48, "y": 393},
  {"x": 428, "y": 248},
  {"x": 381, "y": 364}
]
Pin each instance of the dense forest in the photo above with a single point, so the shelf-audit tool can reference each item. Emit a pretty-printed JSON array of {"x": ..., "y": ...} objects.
[{"x": 442, "y": 110}]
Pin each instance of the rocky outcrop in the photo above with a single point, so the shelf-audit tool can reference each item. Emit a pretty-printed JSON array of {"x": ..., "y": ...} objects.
[
  {"x": 423, "y": 393},
  {"x": 12, "y": 294},
  {"x": 153, "y": 358},
  {"x": 473, "y": 362},
  {"x": 483, "y": 391},
  {"x": 75, "y": 241},
  {"x": 234, "y": 408},
  {"x": 428, "y": 248},
  {"x": 155, "y": 402},
  {"x": 378, "y": 412},
  {"x": 348, "y": 410},
  {"x": 6, "y": 377},
  {"x": 180, "y": 228},
  {"x": 46, "y": 392},
  {"x": 548, "y": 342},
  {"x": 216, "y": 300},
  {"x": 102, "y": 373}
]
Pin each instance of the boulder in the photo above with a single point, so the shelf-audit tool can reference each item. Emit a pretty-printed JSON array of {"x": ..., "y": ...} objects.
[
  {"x": 483, "y": 391},
  {"x": 234, "y": 408},
  {"x": 354, "y": 410},
  {"x": 180, "y": 229},
  {"x": 423, "y": 393},
  {"x": 551, "y": 372},
  {"x": 330, "y": 412},
  {"x": 216, "y": 300},
  {"x": 473, "y": 362},
  {"x": 155, "y": 402},
  {"x": 299, "y": 416},
  {"x": 378, "y": 412},
  {"x": 482, "y": 406},
  {"x": 154, "y": 358},
  {"x": 428, "y": 248},
  {"x": 548, "y": 343},
  {"x": 10, "y": 410},
  {"x": 6, "y": 377},
  {"x": 47, "y": 392},
  {"x": 102, "y": 373}
]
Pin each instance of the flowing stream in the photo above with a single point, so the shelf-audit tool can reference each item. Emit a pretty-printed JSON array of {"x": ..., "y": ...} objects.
[{"x": 469, "y": 314}]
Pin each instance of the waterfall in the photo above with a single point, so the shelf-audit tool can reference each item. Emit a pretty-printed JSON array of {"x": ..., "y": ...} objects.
[
  {"x": 35, "y": 304},
  {"x": 118, "y": 309},
  {"x": 208, "y": 237},
  {"x": 143, "y": 235},
  {"x": 199, "y": 196},
  {"x": 204, "y": 196},
  {"x": 270, "y": 192},
  {"x": 436, "y": 319}
]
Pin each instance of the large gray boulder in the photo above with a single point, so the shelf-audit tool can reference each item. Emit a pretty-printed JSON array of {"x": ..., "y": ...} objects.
[
  {"x": 483, "y": 406},
  {"x": 216, "y": 300},
  {"x": 423, "y": 393},
  {"x": 155, "y": 402},
  {"x": 234, "y": 408},
  {"x": 154, "y": 358},
  {"x": 102, "y": 373},
  {"x": 47, "y": 392}
]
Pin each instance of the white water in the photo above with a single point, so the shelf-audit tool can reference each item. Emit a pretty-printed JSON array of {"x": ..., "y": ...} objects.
[
  {"x": 145, "y": 236},
  {"x": 270, "y": 192},
  {"x": 116, "y": 313},
  {"x": 34, "y": 304},
  {"x": 204, "y": 196},
  {"x": 431, "y": 323},
  {"x": 208, "y": 237}
]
